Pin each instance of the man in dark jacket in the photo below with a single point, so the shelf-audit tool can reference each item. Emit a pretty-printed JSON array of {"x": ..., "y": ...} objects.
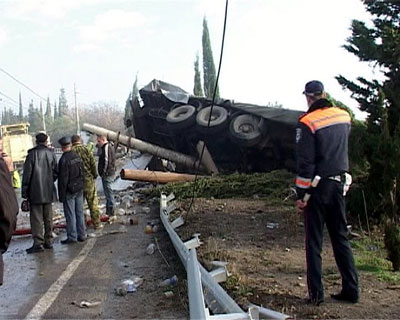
[
  {"x": 70, "y": 192},
  {"x": 322, "y": 147},
  {"x": 106, "y": 169},
  {"x": 40, "y": 172},
  {"x": 8, "y": 212}
]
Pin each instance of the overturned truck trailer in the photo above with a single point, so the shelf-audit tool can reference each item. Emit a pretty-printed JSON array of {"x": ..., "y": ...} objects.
[{"x": 241, "y": 137}]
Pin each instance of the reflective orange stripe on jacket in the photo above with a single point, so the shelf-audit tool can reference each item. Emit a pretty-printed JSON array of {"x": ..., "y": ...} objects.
[
  {"x": 322, "y": 118},
  {"x": 303, "y": 183}
]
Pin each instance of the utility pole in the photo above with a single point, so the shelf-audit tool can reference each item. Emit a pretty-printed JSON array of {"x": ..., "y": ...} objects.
[
  {"x": 43, "y": 119},
  {"x": 76, "y": 112}
]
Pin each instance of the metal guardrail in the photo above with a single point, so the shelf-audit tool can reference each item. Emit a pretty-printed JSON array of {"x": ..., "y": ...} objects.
[{"x": 220, "y": 303}]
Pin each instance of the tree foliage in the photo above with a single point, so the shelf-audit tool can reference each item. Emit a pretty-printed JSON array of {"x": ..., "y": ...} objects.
[
  {"x": 128, "y": 108},
  {"x": 48, "y": 114},
  {"x": 34, "y": 118},
  {"x": 9, "y": 117},
  {"x": 62, "y": 103},
  {"x": 209, "y": 74},
  {"x": 379, "y": 45},
  {"x": 198, "y": 89}
]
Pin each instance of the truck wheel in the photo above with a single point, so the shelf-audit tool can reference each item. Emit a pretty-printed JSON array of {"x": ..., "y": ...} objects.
[
  {"x": 244, "y": 130},
  {"x": 181, "y": 117},
  {"x": 219, "y": 118}
]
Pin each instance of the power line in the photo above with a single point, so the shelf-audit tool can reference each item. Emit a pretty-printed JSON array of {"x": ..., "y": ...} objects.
[
  {"x": 22, "y": 84},
  {"x": 9, "y": 98}
]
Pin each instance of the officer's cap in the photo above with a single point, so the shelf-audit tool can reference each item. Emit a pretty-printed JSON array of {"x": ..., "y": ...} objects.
[
  {"x": 64, "y": 141},
  {"x": 314, "y": 88}
]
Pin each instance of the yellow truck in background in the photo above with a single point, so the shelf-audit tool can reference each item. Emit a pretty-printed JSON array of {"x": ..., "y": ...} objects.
[{"x": 16, "y": 141}]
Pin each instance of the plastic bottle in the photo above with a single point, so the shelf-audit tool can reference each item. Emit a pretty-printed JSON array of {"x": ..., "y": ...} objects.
[
  {"x": 169, "y": 282},
  {"x": 151, "y": 248}
]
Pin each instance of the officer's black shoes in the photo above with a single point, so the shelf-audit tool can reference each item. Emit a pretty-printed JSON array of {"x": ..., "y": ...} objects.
[
  {"x": 344, "y": 297},
  {"x": 34, "y": 249},
  {"x": 315, "y": 302},
  {"x": 81, "y": 239}
]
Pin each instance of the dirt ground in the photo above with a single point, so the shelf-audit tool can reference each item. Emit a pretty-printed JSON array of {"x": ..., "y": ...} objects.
[{"x": 264, "y": 246}]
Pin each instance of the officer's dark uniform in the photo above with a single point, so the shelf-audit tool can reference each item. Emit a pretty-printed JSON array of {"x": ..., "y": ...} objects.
[{"x": 322, "y": 147}]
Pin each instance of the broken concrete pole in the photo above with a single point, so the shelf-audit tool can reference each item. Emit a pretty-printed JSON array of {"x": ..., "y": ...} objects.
[
  {"x": 155, "y": 176},
  {"x": 207, "y": 159},
  {"x": 146, "y": 147}
]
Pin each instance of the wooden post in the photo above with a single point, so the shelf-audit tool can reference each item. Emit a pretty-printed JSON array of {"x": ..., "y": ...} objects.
[{"x": 155, "y": 176}]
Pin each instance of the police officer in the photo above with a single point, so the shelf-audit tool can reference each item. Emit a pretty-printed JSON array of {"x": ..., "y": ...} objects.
[{"x": 322, "y": 147}]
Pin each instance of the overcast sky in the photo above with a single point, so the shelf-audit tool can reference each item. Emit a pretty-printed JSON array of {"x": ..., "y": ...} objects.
[{"x": 272, "y": 47}]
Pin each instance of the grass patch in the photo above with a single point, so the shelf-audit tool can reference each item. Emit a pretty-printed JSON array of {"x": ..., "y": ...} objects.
[
  {"x": 234, "y": 285},
  {"x": 370, "y": 256}
]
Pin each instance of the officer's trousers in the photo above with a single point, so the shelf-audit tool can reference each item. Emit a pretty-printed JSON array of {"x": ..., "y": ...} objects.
[{"x": 327, "y": 205}]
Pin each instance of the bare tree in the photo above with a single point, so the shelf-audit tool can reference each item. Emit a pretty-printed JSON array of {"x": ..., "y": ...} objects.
[{"x": 104, "y": 114}]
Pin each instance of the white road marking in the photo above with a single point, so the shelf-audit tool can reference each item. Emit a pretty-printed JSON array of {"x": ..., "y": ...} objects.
[{"x": 51, "y": 295}]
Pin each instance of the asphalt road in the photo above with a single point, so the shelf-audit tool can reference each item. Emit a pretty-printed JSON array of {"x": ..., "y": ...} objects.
[{"x": 53, "y": 283}]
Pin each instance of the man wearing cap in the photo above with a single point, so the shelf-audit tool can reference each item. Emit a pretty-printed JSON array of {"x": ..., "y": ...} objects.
[
  {"x": 70, "y": 192},
  {"x": 322, "y": 148},
  {"x": 90, "y": 175},
  {"x": 40, "y": 172}
]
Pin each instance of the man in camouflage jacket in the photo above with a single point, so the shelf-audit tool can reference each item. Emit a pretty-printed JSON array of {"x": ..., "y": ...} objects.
[{"x": 90, "y": 175}]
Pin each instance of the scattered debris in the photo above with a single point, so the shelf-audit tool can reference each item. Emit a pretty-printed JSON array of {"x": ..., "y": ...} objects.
[
  {"x": 134, "y": 221},
  {"x": 272, "y": 225},
  {"x": 146, "y": 209},
  {"x": 121, "y": 212},
  {"x": 87, "y": 304},
  {"x": 150, "y": 248},
  {"x": 148, "y": 229},
  {"x": 169, "y": 282},
  {"x": 128, "y": 286},
  {"x": 168, "y": 294}
]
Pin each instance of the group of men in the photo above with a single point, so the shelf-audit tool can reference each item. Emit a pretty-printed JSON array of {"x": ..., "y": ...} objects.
[
  {"x": 75, "y": 174},
  {"x": 322, "y": 151}
]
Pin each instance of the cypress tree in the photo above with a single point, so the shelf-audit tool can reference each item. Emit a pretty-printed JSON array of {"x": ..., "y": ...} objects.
[
  {"x": 62, "y": 103},
  {"x": 55, "y": 116},
  {"x": 48, "y": 109},
  {"x": 135, "y": 90},
  {"x": 378, "y": 45},
  {"x": 209, "y": 73},
  {"x": 197, "y": 90}
]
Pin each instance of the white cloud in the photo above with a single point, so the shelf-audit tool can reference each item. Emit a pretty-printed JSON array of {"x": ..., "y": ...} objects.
[
  {"x": 36, "y": 10},
  {"x": 3, "y": 36},
  {"x": 111, "y": 25}
]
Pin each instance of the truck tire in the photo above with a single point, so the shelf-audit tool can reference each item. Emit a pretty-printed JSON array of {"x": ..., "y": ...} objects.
[
  {"x": 219, "y": 119},
  {"x": 181, "y": 117},
  {"x": 245, "y": 130}
]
